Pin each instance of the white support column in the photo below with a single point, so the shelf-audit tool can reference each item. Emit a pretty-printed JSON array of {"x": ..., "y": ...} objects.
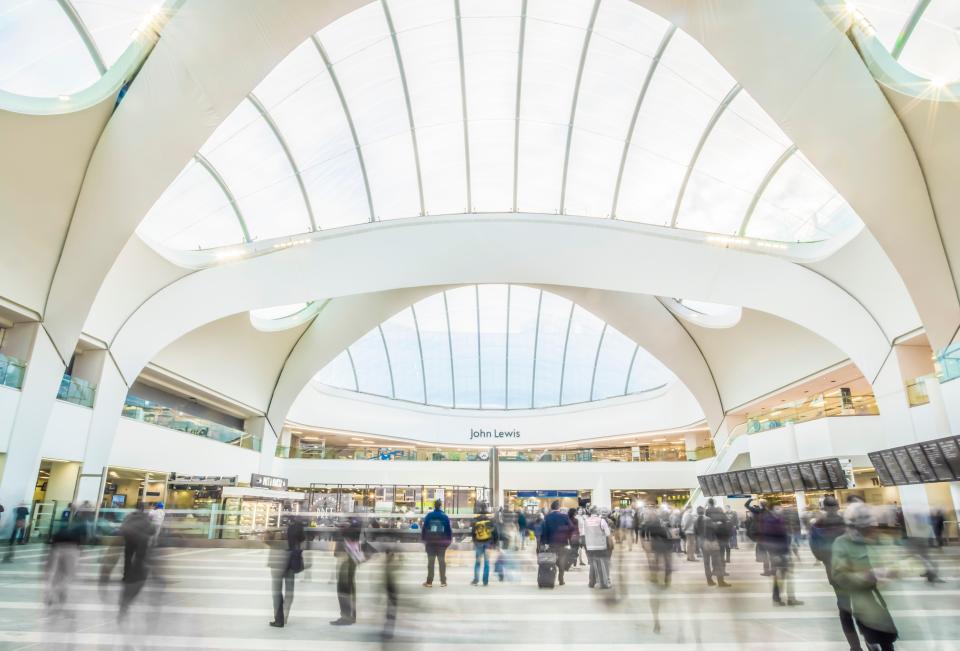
[
  {"x": 260, "y": 426},
  {"x": 110, "y": 396},
  {"x": 600, "y": 495},
  {"x": 40, "y": 383},
  {"x": 891, "y": 395},
  {"x": 938, "y": 405}
]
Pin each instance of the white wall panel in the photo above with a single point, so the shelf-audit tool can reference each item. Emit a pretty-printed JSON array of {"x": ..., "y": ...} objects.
[
  {"x": 66, "y": 435},
  {"x": 9, "y": 399},
  {"x": 951, "y": 401},
  {"x": 150, "y": 447}
]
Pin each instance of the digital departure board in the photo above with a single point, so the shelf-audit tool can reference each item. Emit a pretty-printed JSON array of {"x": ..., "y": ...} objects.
[
  {"x": 819, "y": 474},
  {"x": 919, "y": 463}
]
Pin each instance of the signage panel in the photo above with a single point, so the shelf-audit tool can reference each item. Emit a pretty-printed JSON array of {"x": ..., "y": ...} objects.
[
  {"x": 809, "y": 479},
  {"x": 774, "y": 480},
  {"x": 881, "y": 467},
  {"x": 838, "y": 478},
  {"x": 783, "y": 474},
  {"x": 744, "y": 482},
  {"x": 728, "y": 488},
  {"x": 951, "y": 453},
  {"x": 703, "y": 485},
  {"x": 906, "y": 465},
  {"x": 922, "y": 464},
  {"x": 937, "y": 461},
  {"x": 896, "y": 473},
  {"x": 820, "y": 473},
  {"x": 764, "y": 481},
  {"x": 266, "y": 481}
]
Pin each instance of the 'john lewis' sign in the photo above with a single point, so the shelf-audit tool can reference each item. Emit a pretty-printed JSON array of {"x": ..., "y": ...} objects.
[{"x": 494, "y": 434}]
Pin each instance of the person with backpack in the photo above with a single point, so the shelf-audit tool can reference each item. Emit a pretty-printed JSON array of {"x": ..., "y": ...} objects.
[
  {"x": 555, "y": 536},
  {"x": 823, "y": 532},
  {"x": 596, "y": 534},
  {"x": 437, "y": 534},
  {"x": 707, "y": 533},
  {"x": 485, "y": 538}
]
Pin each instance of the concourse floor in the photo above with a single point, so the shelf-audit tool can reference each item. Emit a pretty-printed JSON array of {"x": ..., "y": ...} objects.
[{"x": 221, "y": 599}]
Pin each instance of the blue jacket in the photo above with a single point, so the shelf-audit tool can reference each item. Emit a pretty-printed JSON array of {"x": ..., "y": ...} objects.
[
  {"x": 557, "y": 529},
  {"x": 436, "y": 528}
]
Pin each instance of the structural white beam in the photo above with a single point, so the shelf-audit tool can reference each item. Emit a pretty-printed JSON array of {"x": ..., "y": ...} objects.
[{"x": 207, "y": 165}]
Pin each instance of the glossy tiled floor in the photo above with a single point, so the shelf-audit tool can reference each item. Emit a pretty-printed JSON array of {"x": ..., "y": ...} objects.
[{"x": 220, "y": 599}]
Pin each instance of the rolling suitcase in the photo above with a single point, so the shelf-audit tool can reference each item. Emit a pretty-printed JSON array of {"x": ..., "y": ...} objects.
[{"x": 546, "y": 570}]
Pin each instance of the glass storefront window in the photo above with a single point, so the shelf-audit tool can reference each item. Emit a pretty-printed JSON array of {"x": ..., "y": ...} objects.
[
  {"x": 819, "y": 406},
  {"x": 948, "y": 363},
  {"x": 11, "y": 371},
  {"x": 76, "y": 390}
]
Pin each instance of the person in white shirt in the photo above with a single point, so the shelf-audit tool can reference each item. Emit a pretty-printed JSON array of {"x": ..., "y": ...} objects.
[
  {"x": 596, "y": 537},
  {"x": 156, "y": 519},
  {"x": 688, "y": 525}
]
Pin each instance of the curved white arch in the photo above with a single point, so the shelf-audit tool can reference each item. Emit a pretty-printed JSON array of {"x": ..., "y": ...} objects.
[
  {"x": 553, "y": 250},
  {"x": 641, "y": 318}
]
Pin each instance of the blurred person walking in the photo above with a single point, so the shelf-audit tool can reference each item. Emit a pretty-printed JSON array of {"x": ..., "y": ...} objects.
[
  {"x": 157, "y": 516},
  {"x": 854, "y": 575},
  {"x": 484, "y": 533},
  {"x": 137, "y": 532},
  {"x": 755, "y": 532},
  {"x": 437, "y": 534},
  {"x": 734, "y": 521},
  {"x": 710, "y": 533},
  {"x": 823, "y": 532},
  {"x": 626, "y": 526},
  {"x": 688, "y": 526},
  {"x": 19, "y": 531},
  {"x": 350, "y": 553},
  {"x": 555, "y": 536},
  {"x": 576, "y": 542},
  {"x": 285, "y": 564},
  {"x": 778, "y": 540},
  {"x": 62, "y": 562},
  {"x": 597, "y": 539}
]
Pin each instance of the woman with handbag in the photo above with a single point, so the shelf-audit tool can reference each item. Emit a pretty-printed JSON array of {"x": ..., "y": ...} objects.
[{"x": 285, "y": 564}]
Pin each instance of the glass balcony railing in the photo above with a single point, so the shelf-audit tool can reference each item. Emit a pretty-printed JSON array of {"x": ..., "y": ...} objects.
[
  {"x": 79, "y": 392},
  {"x": 613, "y": 454},
  {"x": 917, "y": 391},
  {"x": 413, "y": 453},
  {"x": 818, "y": 407},
  {"x": 11, "y": 371},
  {"x": 148, "y": 412},
  {"x": 948, "y": 363},
  {"x": 372, "y": 453}
]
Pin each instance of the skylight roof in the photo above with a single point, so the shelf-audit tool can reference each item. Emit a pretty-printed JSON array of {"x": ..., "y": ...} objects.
[
  {"x": 580, "y": 107},
  {"x": 495, "y": 347}
]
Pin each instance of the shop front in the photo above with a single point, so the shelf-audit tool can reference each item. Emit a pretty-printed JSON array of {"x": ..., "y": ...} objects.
[
  {"x": 534, "y": 501},
  {"x": 391, "y": 498},
  {"x": 635, "y": 498}
]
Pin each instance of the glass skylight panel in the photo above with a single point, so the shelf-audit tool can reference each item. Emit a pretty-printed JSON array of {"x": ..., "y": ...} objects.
[
  {"x": 647, "y": 373},
  {"x": 554, "y": 318},
  {"x": 374, "y": 93},
  {"x": 524, "y": 306},
  {"x": 582, "y": 342},
  {"x": 573, "y": 13},
  {"x": 933, "y": 50},
  {"x": 673, "y": 116},
  {"x": 401, "y": 336},
  {"x": 462, "y": 306},
  {"x": 489, "y": 8},
  {"x": 551, "y": 59},
  {"x": 624, "y": 22},
  {"x": 732, "y": 164},
  {"x": 337, "y": 192},
  {"x": 41, "y": 54},
  {"x": 192, "y": 213},
  {"x": 799, "y": 204},
  {"x": 301, "y": 67},
  {"x": 612, "y": 78},
  {"x": 370, "y": 359},
  {"x": 257, "y": 171},
  {"x": 490, "y": 52},
  {"x": 493, "y": 345},
  {"x": 355, "y": 32},
  {"x": 613, "y": 365},
  {"x": 112, "y": 23},
  {"x": 411, "y": 14},
  {"x": 338, "y": 373},
  {"x": 432, "y": 320},
  {"x": 689, "y": 60},
  {"x": 432, "y": 64}
]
